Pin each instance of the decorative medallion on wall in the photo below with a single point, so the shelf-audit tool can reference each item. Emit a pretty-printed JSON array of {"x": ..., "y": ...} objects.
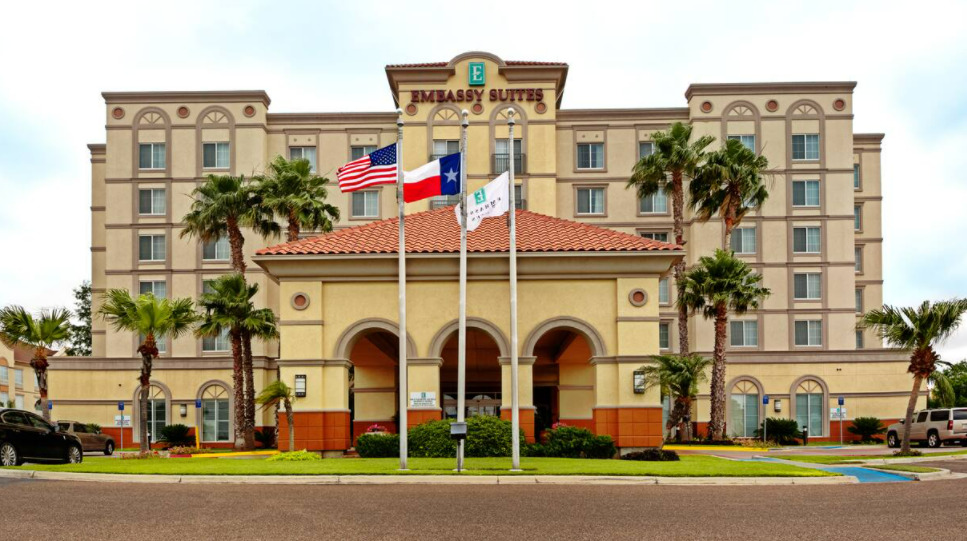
[
  {"x": 183, "y": 112},
  {"x": 476, "y": 108},
  {"x": 772, "y": 106},
  {"x": 249, "y": 111},
  {"x": 706, "y": 107},
  {"x": 411, "y": 109},
  {"x": 117, "y": 113},
  {"x": 839, "y": 104},
  {"x": 300, "y": 301},
  {"x": 637, "y": 297},
  {"x": 541, "y": 108}
]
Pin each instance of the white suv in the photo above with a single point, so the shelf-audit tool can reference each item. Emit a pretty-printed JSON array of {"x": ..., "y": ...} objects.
[{"x": 932, "y": 427}]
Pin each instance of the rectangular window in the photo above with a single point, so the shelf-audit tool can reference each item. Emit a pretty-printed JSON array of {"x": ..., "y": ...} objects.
[
  {"x": 206, "y": 286},
  {"x": 805, "y": 146},
  {"x": 215, "y": 156},
  {"x": 590, "y": 155},
  {"x": 590, "y": 200},
  {"x": 743, "y": 240},
  {"x": 859, "y": 300},
  {"x": 645, "y": 148},
  {"x": 221, "y": 342},
  {"x": 151, "y": 201},
  {"x": 500, "y": 147},
  {"x": 358, "y": 152},
  {"x": 748, "y": 141},
  {"x": 858, "y": 258},
  {"x": 744, "y": 420},
  {"x": 215, "y": 419},
  {"x": 805, "y": 240},
  {"x": 805, "y": 193},
  {"x": 4, "y": 377},
  {"x": 859, "y": 339},
  {"x": 663, "y": 336},
  {"x": 151, "y": 247},
  {"x": 857, "y": 218},
  {"x": 304, "y": 153},
  {"x": 445, "y": 147},
  {"x": 18, "y": 378},
  {"x": 660, "y": 237},
  {"x": 744, "y": 333},
  {"x": 151, "y": 156},
  {"x": 856, "y": 176},
  {"x": 809, "y": 333},
  {"x": 365, "y": 204},
  {"x": 663, "y": 293},
  {"x": 158, "y": 288},
  {"x": 519, "y": 200},
  {"x": 656, "y": 203},
  {"x": 940, "y": 415},
  {"x": 220, "y": 250},
  {"x": 807, "y": 286}
]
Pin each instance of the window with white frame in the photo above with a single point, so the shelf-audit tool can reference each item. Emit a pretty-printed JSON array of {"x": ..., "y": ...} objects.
[
  {"x": 215, "y": 156},
  {"x": 806, "y": 240},
  {"x": 810, "y": 407},
  {"x": 748, "y": 141},
  {"x": 809, "y": 333},
  {"x": 18, "y": 378},
  {"x": 856, "y": 176},
  {"x": 219, "y": 250},
  {"x": 357, "y": 152},
  {"x": 158, "y": 288},
  {"x": 660, "y": 237},
  {"x": 151, "y": 247},
  {"x": 365, "y": 204},
  {"x": 805, "y": 146},
  {"x": 857, "y": 218},
  {"x": 151, "y": 156},
  {"x": 744, "y": 418},
  {"x": 151, "y": 201},
  {"x": 645, "y": 148},
  {"x": 222, "y": 342},
  {"x": 743, "y": 240},
  {"x": 19, "y": 402},
  {"x": 157, "y": 412},
  {"x": 590, "y": 201},
  {"x": 663, "y": 293},
  {"x": 445, "y": 147},
  {"x": 858, "y": 258},
  {"x": 858, "y": 294},
  {"x": 215, "y": 414},
  {"x": 4, "y": 377},
  {"x": 805, "y": 193},
  {"x": 304, "y": 153},
  {"x": 744, "y": 333},
  {"x": 656, "y": 203},
  {"x": 590, "y": 155},
  {"x": 4, "y": 399},
  {"x": 859, "y": 339},
  {"x": 807, "y": 285},
  {"x": 663, "y": 341}
]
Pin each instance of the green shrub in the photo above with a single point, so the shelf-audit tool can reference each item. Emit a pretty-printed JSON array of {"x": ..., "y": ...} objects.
[
  {"x": 652, "y": 455},
  {"x": 866, "y": 428},
  {"x": 378, "y": 445},
  {"x": 574, "y": 442},
  {"x": 431, "y": 439},
  {"x": 173, "y": 435},
  {"x": 600, "y": 447},
  {"x": 486, "y": 437},
  {"x": 532, "y": 449},
  {"x": 295, "y": 456},
  {"x": 781, "y": 431},
  {"x": 266, "y": 437}
]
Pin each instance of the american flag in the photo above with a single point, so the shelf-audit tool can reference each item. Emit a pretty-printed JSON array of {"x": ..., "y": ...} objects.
[{"x": 370, "y": 170}]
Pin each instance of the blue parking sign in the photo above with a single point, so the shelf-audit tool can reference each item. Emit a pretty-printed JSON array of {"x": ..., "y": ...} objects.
[
  {"x": 842, "y": 401},
  {"x": 197, "y": 402},
  {"x": 120, "y": 405},
  {"x": 765, "y": 399}
]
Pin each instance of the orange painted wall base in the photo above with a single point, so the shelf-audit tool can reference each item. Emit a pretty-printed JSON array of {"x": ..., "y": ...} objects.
[
  {"x": 115, "y": 432},
  {"x": 418, "y": 417},
  {"x": 316, "y": 431},
  {"x": 526, "y": 421},
  {"x": 630, "y": 427}
]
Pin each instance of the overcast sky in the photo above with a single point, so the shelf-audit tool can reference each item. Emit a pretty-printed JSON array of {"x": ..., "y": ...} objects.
[{"x": 55, "y": 60}]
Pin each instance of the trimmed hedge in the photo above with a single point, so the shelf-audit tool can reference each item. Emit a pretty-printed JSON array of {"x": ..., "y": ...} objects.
[
  {"x": 486, "y": 437},
  {"x": 175, "y": 435},
  {"x": 652, "y": 455},
  {"x": 781, "y": 431},
  {"x": 574, "y": 442},
  {"x": 378, "y": 445}
]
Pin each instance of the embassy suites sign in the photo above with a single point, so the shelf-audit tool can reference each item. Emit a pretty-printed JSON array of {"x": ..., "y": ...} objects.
[{"x": 474, "y": 95}]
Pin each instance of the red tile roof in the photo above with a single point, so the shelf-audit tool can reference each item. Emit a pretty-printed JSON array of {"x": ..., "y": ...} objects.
[
  {"x": 419, "y": 65},
  {"x": 436, "y": 231},
  {"x": 508, "y": 62},
  {"x": 533, "y": 63}
]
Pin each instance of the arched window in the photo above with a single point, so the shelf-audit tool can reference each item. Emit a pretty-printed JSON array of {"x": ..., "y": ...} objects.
[
  {"x": 215, "y": 413},
  {"x": 810, "y": 406},
  {"x": 744, "y": 418},
  {"x": 157, "y": 412}
]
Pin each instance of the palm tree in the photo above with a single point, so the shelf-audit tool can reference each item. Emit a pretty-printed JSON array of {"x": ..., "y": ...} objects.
[
  {"x": 716, "y": 286},
  {"x": 729, "y": 184},
  {"x": 275, "y": 394},
  {"x": 918, "y": 329},
  {"x": 294, "y": 193},
  {"x": 20, "y": 329},
  {"x": 678, "y": 377},
  {"x": 259, "y": 324},
  {"x": 153, "y": 319},
  {"x": 678, "y": 158},
  {"x": 221, "y": 207}
]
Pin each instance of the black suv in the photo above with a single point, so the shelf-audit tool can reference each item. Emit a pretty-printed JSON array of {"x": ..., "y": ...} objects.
[{"x": 25, "y": 436}]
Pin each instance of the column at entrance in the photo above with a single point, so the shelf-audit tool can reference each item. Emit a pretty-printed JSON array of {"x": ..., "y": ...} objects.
[
  {"x": 335, "y": 405},
  {"x": 424, "y": 399},
  {"x": 525, "y": 385}
]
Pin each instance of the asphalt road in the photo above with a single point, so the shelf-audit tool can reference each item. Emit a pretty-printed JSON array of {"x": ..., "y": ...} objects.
[{"x": 84, "y": 510}]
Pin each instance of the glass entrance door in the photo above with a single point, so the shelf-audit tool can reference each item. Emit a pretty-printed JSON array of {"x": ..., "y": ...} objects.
[{"x": 478, "y": 404}]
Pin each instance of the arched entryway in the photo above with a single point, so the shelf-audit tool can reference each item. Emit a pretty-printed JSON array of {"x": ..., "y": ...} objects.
[
  {"x": 483, "y": 376},
  {"x": 374, "y": 381}
]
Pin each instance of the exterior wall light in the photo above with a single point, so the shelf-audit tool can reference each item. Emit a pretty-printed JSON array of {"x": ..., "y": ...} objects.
[
  {"x": 300, "y": 385},
  {"x": 639, "y": 382},
  {"x": 777, "y": 405},
  {"x": 184, "y": 410}
]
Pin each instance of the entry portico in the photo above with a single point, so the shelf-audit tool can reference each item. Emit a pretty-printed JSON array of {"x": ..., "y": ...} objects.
[{"x": 588, "y": 317}]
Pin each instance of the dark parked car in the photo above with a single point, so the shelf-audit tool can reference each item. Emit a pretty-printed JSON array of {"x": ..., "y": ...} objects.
[
  {"x": 26, "y": 436},
  {"x": 91, "y": 438}
]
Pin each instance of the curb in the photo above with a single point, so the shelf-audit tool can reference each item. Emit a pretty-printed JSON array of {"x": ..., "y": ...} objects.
[
  {"x": 421, "y": 479},
  {"x": 925, "y": 476}
]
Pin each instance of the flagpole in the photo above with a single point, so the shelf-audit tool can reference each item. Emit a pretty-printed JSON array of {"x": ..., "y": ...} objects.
[
  {"x": 404, "y": 387},
  {"x": 462, "y": 331},
  {"x": 514, "y": 383}
]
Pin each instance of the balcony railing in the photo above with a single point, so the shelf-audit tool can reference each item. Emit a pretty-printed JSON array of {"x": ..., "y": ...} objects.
[
  {"x": 500, "y": 163},
  {"x": 441, "y": 201}
]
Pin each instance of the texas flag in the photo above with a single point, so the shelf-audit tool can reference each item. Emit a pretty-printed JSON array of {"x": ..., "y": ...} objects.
[{"x": 439, "y": 177}]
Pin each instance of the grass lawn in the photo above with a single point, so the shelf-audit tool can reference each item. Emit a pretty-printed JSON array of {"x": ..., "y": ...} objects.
[
  {"x": 689, "y": 466},
  {"x": 853, "y": 459},
  {"x": 904, "y": 467}
]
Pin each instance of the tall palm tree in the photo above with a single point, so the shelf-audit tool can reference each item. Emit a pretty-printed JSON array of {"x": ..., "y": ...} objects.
[
  {"x": 676, "y": 157},
  {"x": 20, "y": 329},
  {"x": 154, "y": 319},
  {"x": 296, "y": 194},
  {"x": 918, "y": 329},
  {"x": 716, "y": 286},
  {"x": 221, "y": 207},
  {"x": 259, "y": 324},
  {"x": 729, "y": 184},
  {"x": 275, "y": 394},
  {"x": 678, "y": 377}
]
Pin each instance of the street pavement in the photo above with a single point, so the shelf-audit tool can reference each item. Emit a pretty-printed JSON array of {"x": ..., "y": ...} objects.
[{"x": 53, "y": 510}]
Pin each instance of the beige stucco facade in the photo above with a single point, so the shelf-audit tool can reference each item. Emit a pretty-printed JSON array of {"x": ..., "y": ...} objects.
[
  {"x": 18, "y": 383},
  {"x": 560, "y": 174}
]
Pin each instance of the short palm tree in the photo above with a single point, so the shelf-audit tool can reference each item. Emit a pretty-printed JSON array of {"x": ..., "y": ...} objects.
[
  {"x": 221, "y": 207},
  {"x": 153, "y": 319},
  {"x": 259, "y": 324},
  {"x": 677, "y": 157},
  {"x": 678, "y": 377},
  {"x": 275, "y": 394},
  {"x": 918, "y": 329},
  {"x": 729, "y": 184},
  {"x": 20, "y": 329},
  {"x": 297, "y": 195},
  {"x": 718, "y": 285}
]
